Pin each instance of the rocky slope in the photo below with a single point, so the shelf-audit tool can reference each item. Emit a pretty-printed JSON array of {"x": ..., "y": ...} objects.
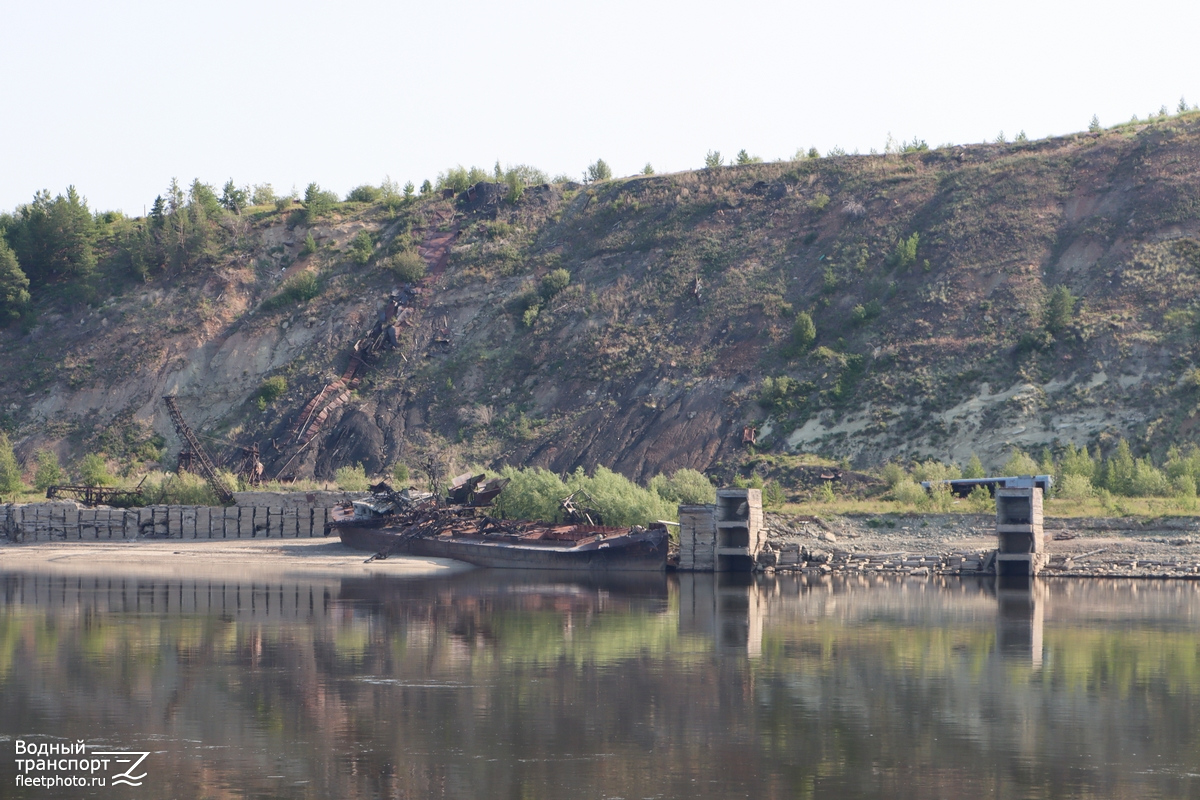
[{"x": 683, "y": 293}]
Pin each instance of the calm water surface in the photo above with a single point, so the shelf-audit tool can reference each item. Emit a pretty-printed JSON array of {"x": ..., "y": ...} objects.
[{"x": 517, "y": 685}]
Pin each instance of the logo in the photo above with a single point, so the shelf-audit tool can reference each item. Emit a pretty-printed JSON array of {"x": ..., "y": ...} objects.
[
  {"x": 55, "y": 764},
  {"x": 121, "y": 757}
]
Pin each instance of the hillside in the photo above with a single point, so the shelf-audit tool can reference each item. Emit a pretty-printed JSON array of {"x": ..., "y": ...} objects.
[{"x": 928, "y": 276}]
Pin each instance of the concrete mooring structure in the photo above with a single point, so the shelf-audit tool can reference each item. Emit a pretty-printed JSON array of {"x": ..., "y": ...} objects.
[
  {"x": 1020, "y": 541},
  {"x": 723, "y": 537}
]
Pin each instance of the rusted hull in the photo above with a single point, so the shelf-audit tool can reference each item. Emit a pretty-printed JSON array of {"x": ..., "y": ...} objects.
[{"x": 633, "y": 552}]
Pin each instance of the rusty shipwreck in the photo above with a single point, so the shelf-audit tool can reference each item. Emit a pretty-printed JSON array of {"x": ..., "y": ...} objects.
[{"x": 458, "y": 527}]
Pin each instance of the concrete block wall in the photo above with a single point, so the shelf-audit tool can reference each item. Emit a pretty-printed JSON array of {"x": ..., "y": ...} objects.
[{"x": 58, "y": 522}]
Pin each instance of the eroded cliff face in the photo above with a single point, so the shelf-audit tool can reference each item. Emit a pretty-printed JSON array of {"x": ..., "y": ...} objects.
[{"x": 675, "y": 328}]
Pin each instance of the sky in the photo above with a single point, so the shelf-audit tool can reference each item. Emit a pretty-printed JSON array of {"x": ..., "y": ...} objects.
[{"x": 117, "y": 98}]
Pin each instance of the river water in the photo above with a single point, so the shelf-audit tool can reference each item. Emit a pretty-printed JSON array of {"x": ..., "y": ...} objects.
[{"x": 525, "y": 685}]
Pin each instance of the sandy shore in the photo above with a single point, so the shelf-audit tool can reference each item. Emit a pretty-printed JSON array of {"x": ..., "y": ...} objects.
[{"x": 215, "y": 558}]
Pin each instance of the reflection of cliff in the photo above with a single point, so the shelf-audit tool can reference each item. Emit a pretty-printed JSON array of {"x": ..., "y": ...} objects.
[{"x": 551, "y": 686}]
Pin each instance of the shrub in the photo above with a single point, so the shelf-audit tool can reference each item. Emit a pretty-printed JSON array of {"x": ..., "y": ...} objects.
[
  {"x": 407, "y": 265},
  {"x": 317, "y": 201},
  {"x": 909, "y": 493},
  {"x": 532, "y": 493},
  {"x": 804, "y": 332},
  {"x": 271, "y": 390},
  {"x": 1094, "y": 124},
  {"x": 685, "y": 487},
  {"x": 974, "y": 468},
  {"x": 648, "y": 169},
  {"x": 300, "y": 288},
  {"x": 1020, "y": 463},
  {"x": 1060, "y": 310},
  {"x": 10, "y": 471},
  {"x": 1119, "y": 470},
  {"x": 184, "y": 488},
  {"x": 713, "y": 159},
  {"x": 599, "y": 171},
  {"x": 49, "y": 473},
  {"x": 1075, "y": 487},
  {"x": 935, "y": 471},
  {"x": 981, "y": 500},
  {"x": 362, "y": 247},
  {"x": 399, "y": 474},
  {"x": 14, "y": 285},
  {"x": 93, "y": 471},
  {"x": 263, "y": 195},
  {"x": 310, "y": 245},
  {"x": 825, "y": 494},
  {"x": 554, "y": 282},
  {"x": 1184, "y": 486},
  {"x": 352, "y": 478},
  {"x": 893, "y": 474},
  {"x": 529, "y": 318},
  {"x": 745, "y": 158},
  {"x": 1148, "y": 480},
  {"x": 905, "y": 253},
  {"x": 364, "y": 194},
  {"x": 819, "y": 201}
]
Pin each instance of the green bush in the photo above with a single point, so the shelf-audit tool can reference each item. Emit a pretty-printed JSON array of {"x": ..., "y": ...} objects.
[
  {"x": 318, "y": 202},
  {"x": 685, "y": 487},
  {"x": 819, "y": 201},
  {"x": 271, "y": 389},
  {"x": 905, "y": 253},
  {"x": 535, "y": 493},
  {"x": 554, "y": 282},
  {"x": 909, "y": 493},
  {"x": 713, "y": 159},
  {"x": 400, "y": 474},
  {"x": 352, "y": 478},
  {"x": 981, "y": 501},
  {"x": 310, "y": 245},
  {"x": 935, "y": 471},
  {"x": 185, "y": 488},
  {"x": 974, "y": 468},
  {"x": 1020, "y": 463},
  {"x": 824, "y": 495},
  {"x": 804, "y": 332},
  {"x": 362, "y": 247},
  {"x": 893, "y": 474},
  {"x": 93, "y": 471},
  {"x": 49, "y": 473},
  {"x": 300, "y": 288},
  {"x": 263, "y": 195},
  {"x": 599, "y": 171},
  {"x": 10, "y": 471},
  {"x": 1075, "y": 487},
  {"x": 1060, "y": 310},
  {"x": 1148, "y": 481},
  {"x": 14, "y": 286},
  {"x": 364, "y": 194},
  {"x": 407, "y": 265}
]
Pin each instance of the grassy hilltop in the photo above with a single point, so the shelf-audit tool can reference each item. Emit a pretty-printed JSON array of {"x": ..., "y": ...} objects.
[{"x": 931, "y": 303}]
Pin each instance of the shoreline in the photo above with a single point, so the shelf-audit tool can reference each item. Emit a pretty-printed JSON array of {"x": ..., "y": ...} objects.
[
  {"x": 958, "y": 544},
  {"x": 312, "y": 557}
]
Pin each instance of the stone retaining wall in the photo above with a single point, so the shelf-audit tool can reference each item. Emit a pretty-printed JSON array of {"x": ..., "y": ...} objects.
[{"x": 57, "y": 522}]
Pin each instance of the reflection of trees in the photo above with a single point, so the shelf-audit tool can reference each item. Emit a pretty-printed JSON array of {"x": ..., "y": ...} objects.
[{"x": 534, "y": 687}]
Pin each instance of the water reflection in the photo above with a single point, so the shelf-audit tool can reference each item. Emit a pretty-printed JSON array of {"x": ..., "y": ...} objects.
[
  {"x": 1021, "y": 607},
  {"x": 543, "y": 685}
]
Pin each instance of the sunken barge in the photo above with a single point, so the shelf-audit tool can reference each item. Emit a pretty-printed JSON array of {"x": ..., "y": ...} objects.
[{"x": 458, "y": 527}]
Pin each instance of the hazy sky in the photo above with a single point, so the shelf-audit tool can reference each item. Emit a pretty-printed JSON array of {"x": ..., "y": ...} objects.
[{"x": 116, "y": 98}]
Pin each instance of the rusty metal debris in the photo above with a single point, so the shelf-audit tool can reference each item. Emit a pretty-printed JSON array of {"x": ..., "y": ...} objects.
[{"x": 98, "y": 495}]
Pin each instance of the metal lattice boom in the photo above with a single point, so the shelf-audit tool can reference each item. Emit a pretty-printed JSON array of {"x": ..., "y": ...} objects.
[{"x": 207, "y": 467}]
